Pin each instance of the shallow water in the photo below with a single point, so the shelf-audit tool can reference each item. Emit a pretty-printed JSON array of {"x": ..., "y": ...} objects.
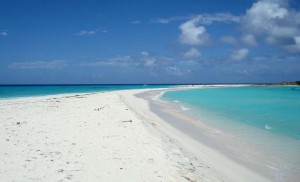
[
  {"x": 259, "y": 126},
  {"x": 276, "y": 109}
]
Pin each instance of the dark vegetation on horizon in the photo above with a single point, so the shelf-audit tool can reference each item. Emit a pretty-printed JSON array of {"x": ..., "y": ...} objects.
[{"x": 290, "y": 83}]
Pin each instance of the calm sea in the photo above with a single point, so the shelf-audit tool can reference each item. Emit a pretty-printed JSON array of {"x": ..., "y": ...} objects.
[
  {"x": 260, "y": 125},
  {"x": 12, "y": 91}
]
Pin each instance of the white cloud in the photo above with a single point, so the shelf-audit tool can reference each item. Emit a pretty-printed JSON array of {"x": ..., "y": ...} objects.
[
  {"x": 147, "y": 60},
  {"x": 191, "y": 34},
  {"x": 249, "y": 39},
  {"x": 240, "y": 54},
  {"x": 263, "y": 15},
  {"x": 208, "y": 19},
  {"x": 192, "y": 53},
  {"x": 86, "y": 32},
  {"x": 90, "y": 32},
  {"x": 229, "y": 40},
  {"x": 150, "y": 62},
  {"x": 143, "y": 61},
  {"x": 4, "y": 34},
  {"x": 205, "y": 19},
  {"x": 192, "y": 31},
  {"x": 119, "y": 61},
  {"x": 170, "y": 19},
  {"x": 274, "y": 20},
  {"x": 39, "y": 64}
]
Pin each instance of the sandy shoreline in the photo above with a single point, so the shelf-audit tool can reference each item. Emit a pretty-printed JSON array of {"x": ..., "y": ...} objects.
[{"x": 111, "y": 136}]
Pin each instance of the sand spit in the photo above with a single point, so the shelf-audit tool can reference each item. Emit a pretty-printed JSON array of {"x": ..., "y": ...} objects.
[{"x": 111, "y": 136}]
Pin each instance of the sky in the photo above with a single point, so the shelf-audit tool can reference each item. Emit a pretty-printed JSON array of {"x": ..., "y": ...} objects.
[{"x": 149, "y": 41}]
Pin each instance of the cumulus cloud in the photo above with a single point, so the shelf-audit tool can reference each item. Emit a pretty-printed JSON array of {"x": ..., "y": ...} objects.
[
  {"x": 4, "y": 34},
  {"x": 39, "y": 64},
  {"x": 239, "y": 54},
  {"x": 192, "y": 53},
  {"x": 274, "y": 20},
  {"x": 192, "y": 34}
]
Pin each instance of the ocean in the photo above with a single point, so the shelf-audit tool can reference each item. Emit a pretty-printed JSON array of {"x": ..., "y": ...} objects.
[
  {"x": 258, "y": 125},
  {"x": 13, "y": 91}
]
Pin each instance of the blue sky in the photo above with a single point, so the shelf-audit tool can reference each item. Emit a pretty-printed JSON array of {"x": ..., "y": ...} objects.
[{"x": 138, "y": 41}]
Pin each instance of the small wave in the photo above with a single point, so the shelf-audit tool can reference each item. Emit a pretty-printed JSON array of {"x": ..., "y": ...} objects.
[
  {"x": 184, "y": 108},
  {"x": 268, "y": 127},
  {"x": 176, "y": 101},
  {"x": 158, "y": 96}
]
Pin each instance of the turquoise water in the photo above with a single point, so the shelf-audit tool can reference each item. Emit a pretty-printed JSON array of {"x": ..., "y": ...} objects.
[
  {"x": 12, "y": 91},
  {"x": 258, "y": 126},
  {"x": 276, "y": 109}
]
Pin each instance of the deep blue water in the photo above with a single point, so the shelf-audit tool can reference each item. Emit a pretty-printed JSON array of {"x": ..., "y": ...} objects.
[
  {"x": 12, "y": 91},
  {"x": 272, "y": 108}
]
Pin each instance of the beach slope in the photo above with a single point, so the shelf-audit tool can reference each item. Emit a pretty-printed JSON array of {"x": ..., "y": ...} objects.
[{"x": 111, "y": 136}]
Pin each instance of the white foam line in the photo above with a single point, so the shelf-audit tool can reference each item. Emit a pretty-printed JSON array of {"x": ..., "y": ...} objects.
[
  {"x": 158, "y": 96},
  {"x": 184, "y": 108}
]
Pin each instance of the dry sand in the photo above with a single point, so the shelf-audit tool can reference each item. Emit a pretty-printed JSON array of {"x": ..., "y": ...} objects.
[{"x": 110, "y": 136}]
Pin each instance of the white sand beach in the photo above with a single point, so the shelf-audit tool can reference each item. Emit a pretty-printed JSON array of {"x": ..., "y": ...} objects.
[{"x": 110, "y": 136}]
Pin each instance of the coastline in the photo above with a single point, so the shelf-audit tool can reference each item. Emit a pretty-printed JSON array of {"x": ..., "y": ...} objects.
[
  {"x": 207, "y": 137},
  {"x": 109, "y": 136},
  {"x": 270, "y": 155}
]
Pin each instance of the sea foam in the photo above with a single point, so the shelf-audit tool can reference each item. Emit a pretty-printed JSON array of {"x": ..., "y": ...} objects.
[
  {"x": 184, "y": 108},
  {"x": 158, "y": 96}
]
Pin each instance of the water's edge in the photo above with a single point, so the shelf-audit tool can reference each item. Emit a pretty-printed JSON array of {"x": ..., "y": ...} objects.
[{"x": 214, "y": 138}]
